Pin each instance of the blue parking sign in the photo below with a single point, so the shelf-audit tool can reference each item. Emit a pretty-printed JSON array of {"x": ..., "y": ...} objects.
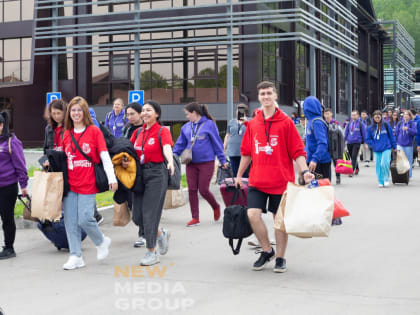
[
  {"x": 51, "y": 96},
  {"x": 136, "y": 96}
]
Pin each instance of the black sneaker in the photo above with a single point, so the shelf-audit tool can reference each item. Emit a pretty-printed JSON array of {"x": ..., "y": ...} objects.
[
  {"x": 99, "y": 218},
  {"x": 7, "y": 253},
  {"x": 338, "y": 180},
  {"x": 264, "y": 258},
  {"x": 280, "y": 265}
]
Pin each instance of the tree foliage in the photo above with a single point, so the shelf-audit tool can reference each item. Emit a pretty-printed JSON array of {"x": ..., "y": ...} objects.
[{"x": 407, "y": 12}]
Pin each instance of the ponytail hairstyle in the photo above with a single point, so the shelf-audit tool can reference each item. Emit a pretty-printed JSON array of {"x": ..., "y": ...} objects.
[
  {"x": 4, "y": 119},
  {"x": 200, "y": 109}
]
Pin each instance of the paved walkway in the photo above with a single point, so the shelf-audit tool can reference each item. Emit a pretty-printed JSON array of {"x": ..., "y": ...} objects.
[{"x": 369, "y": 265}]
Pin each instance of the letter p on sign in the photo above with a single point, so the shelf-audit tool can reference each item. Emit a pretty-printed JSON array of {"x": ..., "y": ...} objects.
[
  {"x": 51, "y": 96},
  {"x": 136, "y": 96}
]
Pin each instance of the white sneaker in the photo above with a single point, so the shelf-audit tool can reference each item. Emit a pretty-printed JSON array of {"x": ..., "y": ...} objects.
[
  {"x": 163, "y": 242},
  {"x": 140, "y": 242},
  {"x": 381, "y": 186},
  {"x": 74, "y": 262},
  {"x": 151, "y": 258},
  {"x": 103, "y": 249},
  {"x": 386, "y": 184}
]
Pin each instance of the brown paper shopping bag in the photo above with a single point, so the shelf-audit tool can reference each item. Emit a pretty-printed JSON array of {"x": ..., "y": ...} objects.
[
  {"x": 47, "y": 195},
  {"x": 122, "y": 215},
  {"x": 307, "y": 212},
  {"x": 174, "y": 199}
]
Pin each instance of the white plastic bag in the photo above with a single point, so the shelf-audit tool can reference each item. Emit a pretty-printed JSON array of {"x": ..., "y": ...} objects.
[{"x": 403, "y": 166}]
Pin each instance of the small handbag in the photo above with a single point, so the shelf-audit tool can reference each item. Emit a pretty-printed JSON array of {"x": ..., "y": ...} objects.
[
  {"x": 344, "y": 166},
  {"x": 100, "y": 175},
  {"x": 186, "y": 155}
]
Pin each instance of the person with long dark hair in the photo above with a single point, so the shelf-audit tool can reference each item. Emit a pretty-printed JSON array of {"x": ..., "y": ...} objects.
[
  {"x": 13, "y": 171},
  {"x": 153, "y": 145},
  {"x": 394, "y": 120},
  {"x": 133, "y": 113},
  {"x": 55, "y": 129},
  {"x": 382, "y": 140},
  {"x": 202, "y": 129},
  {"x": 79, "y": 203}
]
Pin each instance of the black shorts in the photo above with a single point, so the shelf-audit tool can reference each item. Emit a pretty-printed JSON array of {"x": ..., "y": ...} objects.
[{"x": 258, "y": 199}]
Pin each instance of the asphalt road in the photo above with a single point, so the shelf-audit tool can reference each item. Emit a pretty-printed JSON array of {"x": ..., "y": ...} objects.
[{"x": 368, "y": 265}]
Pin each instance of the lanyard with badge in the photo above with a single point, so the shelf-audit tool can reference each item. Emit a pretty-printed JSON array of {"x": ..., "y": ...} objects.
[
  {"x": 194, "y": 131},
  {"x": 143, "y": 143},
  {"x": 378, "y": 133},
  {"x": 268, "y": 148}
]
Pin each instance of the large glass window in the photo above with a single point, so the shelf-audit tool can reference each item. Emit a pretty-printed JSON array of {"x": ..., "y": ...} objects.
[
  {"x": 15, "y": 60},
  {"x": 16, "y": 10},
  {"x": 302, "y": 71},
  {"x": 326, "y": 84}
]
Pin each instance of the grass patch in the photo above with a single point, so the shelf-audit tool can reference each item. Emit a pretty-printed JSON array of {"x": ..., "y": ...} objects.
[
  {"x": 184, "y": 181},
  {"x": 104, "y": 199},
  {"x": 19, "y": 209},
  {"x": 32, "y": 169}
]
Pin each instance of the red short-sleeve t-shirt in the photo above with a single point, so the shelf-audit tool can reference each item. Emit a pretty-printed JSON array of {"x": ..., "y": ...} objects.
[
  {"x": 81, "y": 172},
  {"x": 58, "y": 138},
  {"x": 147, "y": 143}
]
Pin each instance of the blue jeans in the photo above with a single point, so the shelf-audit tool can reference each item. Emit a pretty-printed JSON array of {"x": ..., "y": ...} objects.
[
  {"x": 78, "y": 214},
  {"x": 383, "y": 161},
  {"x": 409, "y": 154}
]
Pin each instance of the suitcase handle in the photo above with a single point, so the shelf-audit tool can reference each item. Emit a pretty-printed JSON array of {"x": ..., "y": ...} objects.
[{"x": 236, "y": 195}]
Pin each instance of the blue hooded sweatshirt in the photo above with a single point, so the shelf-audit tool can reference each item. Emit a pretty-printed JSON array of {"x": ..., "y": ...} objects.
[
  {"x": 382, "y": 140},
  {"x": 355, "y": 132},
  {"x": 93, "y": 115},
  {"x": 316, "y": 137},
  {"x": 208, "y": 144},
  {"x": 417, "y": 121},
  {"x": 405, "y": 137}
]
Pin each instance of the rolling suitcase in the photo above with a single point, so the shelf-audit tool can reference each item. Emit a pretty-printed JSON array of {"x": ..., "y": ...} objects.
[
  {"x": 56, "y": 233},
  {"x": 227, "y": 189},
  {"x": 398, "y": 178}
]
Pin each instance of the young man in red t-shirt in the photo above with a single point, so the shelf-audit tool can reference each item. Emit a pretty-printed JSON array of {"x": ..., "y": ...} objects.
[{"x": 272, "y": 143}]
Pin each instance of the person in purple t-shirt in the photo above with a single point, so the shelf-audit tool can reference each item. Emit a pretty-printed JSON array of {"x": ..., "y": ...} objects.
[{"x": 13, "y": 171}]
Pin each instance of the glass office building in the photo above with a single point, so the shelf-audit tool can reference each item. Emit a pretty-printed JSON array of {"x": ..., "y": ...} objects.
[{"x": 178, "y": 51}]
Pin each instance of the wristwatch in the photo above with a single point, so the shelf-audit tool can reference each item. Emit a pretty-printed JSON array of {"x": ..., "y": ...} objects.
[{"x": 304, "y": 172}]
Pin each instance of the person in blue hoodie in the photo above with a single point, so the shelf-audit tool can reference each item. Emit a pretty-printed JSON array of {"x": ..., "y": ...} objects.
[
  {"x": 405, "y": 132},
  {"x": 382, "y": 140},
  {"x": 355, "y": 136},
  {"x": 93, "y": 115},
  {"x": 116, "y": 119},
  {"x": 202, "y": 128},
  {"x": 318, "y": 157},
  {"x": 416, "y": 145},
  {"x": 367, "y": 121}
]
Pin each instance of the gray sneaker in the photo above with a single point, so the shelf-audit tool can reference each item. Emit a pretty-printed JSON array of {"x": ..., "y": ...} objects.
[
  {"x": 151, "y": 258},
  {"x": 163, "y": 242}
]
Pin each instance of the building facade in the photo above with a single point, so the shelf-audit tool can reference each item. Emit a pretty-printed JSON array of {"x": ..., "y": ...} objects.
[{"x": 178, "y": 51}]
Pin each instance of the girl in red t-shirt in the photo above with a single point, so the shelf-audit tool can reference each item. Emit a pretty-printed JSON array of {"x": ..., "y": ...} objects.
[
  {"x": 80, "y": 201},
  {"x": 148, "y": 205}
]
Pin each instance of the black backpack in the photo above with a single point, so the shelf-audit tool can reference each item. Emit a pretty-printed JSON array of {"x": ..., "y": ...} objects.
[
  {"x": 236, "y": 223},
  {"x": 109, "y": 137},
  {"x": 336, "y": 141}
]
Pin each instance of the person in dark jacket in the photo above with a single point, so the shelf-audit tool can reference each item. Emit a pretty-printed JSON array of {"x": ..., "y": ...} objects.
[
  {"x": 382, "y": 140},
  {"x": 405, "y": 132},
  {"x": 318, "y": 157},
  {"x": 13, "y": 171},
  {"x": 54, "y": 131},
  {"x": 116, "y": 119},
  {"x": 208, "y": 145},
  {"x": 355, "y": 136},
  {"x": 133, "y": 113},
  {"x": 328, "y": 116}
]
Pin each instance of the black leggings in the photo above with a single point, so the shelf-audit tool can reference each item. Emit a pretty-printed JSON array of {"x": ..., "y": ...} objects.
[
  {"x": 8, "y": 195},
  {"x": 354, "y": 149}
]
